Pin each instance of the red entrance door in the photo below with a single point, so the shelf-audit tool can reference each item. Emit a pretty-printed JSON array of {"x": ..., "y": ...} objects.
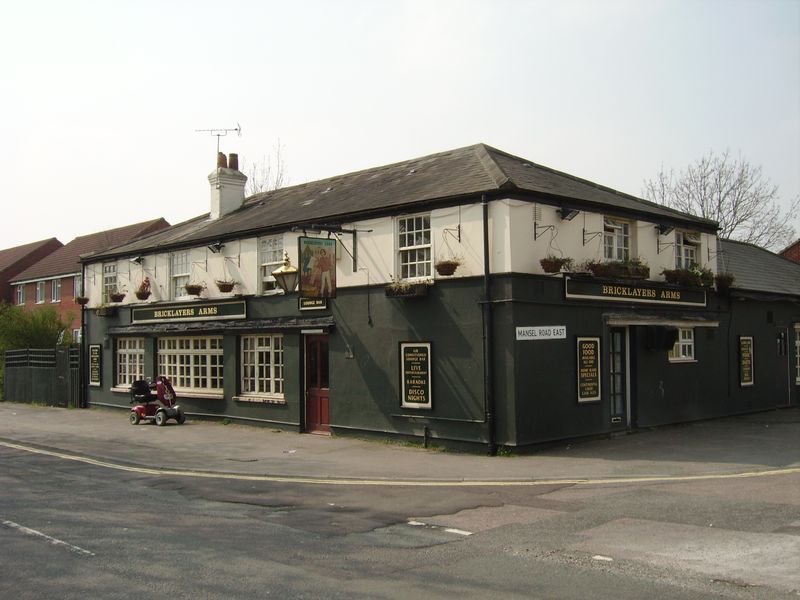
[{"x": 317, "y": 386}]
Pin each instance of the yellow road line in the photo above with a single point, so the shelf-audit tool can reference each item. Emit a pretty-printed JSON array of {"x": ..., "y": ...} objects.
[{"x": 397, "y": 482}]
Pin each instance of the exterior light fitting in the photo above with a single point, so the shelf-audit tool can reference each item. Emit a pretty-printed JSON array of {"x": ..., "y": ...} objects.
[
  {"x": 664, "y": 229},
  {"x": 286, "y": 276},
  {"x": 216, "y": 247},
  {"x": 567, "y": 214},
  {"x": 138, "y": 259}
]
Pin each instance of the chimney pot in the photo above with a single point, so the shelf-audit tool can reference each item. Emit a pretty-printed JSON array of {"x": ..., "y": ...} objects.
[
  {"x": 233, "y": 161},
  {"x": 222, "y": 161}
]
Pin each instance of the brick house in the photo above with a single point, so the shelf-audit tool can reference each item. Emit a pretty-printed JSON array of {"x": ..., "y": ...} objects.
[
  {"x": 55, "y": 279},
  {"x": 792, "y": 252},
  {"x": 15, "y": 260}
]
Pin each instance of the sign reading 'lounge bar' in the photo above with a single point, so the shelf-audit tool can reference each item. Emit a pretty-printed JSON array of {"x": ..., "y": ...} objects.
[
  {"x": 201, "y": 311},
  {"x": 646, "y": 293}
]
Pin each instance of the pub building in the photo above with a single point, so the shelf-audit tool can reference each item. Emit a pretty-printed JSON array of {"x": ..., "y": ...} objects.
[{"x": 333, "y": 306}]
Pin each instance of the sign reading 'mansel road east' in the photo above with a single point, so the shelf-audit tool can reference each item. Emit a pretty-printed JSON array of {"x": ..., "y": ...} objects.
[
  {"x": 645, "y": 292},
  {"x": 201, "y": 311}
]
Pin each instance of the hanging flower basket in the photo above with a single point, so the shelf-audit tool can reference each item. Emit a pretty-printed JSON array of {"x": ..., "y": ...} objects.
[
  {"x": 117, "y": 296},
  {"x": 143, "y": 291},
  {"x": 724, "y": 281},
  {"x": 554, "y": 264},
  {"x": 82, "y": 300},
  {"x": 225, "y": 286},
  {"x": 694, "y": 277},
  {"x": 447, "y": 267},
  {"x": 193, "y": 289}
]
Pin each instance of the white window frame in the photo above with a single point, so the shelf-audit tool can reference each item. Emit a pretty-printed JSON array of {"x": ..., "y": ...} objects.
[
  {"x": 414, "y": 247},
  {"x": 130, "y": 360},
  {"x": 55, "y": 290},
  {"x": 180, "y": 267},
  {"x": 109, "y": 281},
  {"x": 617, "y": 239},
  {"x": 21, "y": 294},
  {"x": 684, "y": 348},
  {"x": 262, "y": 369},
  {"x": 76, "y": 336},
  {"x": 192, "y": 364},
  {"x": 76, "y": 285},
  {"x": 40, "y": 292},
  {"x": 687, "y": 249},
  {"x": 270, "y": 257}
]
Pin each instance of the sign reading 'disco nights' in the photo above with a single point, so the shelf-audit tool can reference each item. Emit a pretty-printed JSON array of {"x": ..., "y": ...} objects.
[
  {"x": 588, "y": 369},
  {"x": 200, "y": 311},
  {"x": 415, "y": 374},
  {"x": 746, "y": 377},
  {"x": 317, "y": 267},
  {"x": 95, "y": 364},
  {"x": 646, "y": 293}
]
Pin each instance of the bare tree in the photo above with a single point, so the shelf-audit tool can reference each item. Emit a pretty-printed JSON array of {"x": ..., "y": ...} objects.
[
  {"x": 732, "y": 192},
  {"x": 269, "y": 173}
]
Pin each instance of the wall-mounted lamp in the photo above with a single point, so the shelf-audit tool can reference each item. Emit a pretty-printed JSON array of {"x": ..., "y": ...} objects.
[
  {"x": 567, "y": 214},
  {"x": 286, "y": 276},
  {"x": 216, "y": 247},
  {"x": 138, "y": 259}
]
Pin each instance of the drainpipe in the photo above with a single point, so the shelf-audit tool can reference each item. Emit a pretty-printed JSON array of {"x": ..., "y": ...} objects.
[
  {"x": 488, "y": 349},
  {"x": 83, "y": 400}
]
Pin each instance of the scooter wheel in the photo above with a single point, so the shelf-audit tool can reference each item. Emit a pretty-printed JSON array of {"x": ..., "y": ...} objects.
[
  {"x": 134, "y": 418},
  {"x": 181, "y": 418},
  {"x": 161, "y": 418}
]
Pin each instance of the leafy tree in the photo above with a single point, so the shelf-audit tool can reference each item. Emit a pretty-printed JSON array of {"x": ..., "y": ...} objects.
[
  {"x": 732, "y": 192},
  {"x": 40, "y": 328}
]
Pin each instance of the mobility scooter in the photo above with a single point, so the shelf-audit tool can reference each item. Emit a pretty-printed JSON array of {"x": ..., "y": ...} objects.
[{"x": 155, "y": 407}]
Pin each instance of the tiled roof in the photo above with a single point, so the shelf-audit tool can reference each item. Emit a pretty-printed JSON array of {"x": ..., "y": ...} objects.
[
  {"x": 464, "y": 173},
  {"x": 66, "y": 260},
  {"x": 759, "y": 270},
  {"x": 10, "y": 256}
]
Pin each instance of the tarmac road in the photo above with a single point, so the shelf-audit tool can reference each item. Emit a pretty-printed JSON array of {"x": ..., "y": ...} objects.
[{"x": 93, "y": 507}]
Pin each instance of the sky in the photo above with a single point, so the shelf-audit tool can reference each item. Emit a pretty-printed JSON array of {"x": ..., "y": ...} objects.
[{"x": 100, "y": 101}]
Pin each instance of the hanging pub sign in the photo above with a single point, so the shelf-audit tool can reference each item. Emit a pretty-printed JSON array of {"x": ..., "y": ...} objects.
[
  {"x": 317, "y": 267},
  {"x": 746, "y": 377},
  {"x": 638, "y": 292},
  {"x": 95, "y": 364},
  {"x": 588, "y": 369},
  {"x": 415, "y": 375}
]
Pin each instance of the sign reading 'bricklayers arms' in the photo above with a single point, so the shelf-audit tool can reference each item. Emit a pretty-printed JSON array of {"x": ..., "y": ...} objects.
[
  {"x": 200, "y": 311},
  {"x": 415, "y": 374},
  {"x": 644, "y": 292},
  {"x": 588, "y": 369}
]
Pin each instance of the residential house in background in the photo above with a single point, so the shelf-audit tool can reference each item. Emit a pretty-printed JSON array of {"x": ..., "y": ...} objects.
[
  {"x": 792, "y": 252},
  {"x": 55, "y": 280},
  {"x": 15, "y": 260},
  {"x": 437, "y": 302}
]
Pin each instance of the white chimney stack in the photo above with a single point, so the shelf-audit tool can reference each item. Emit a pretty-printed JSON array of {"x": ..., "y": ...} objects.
[{"x": 227, "y": 186}]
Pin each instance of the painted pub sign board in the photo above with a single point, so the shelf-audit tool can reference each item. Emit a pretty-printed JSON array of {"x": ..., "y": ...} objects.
[{"x": 415, "y": 375}]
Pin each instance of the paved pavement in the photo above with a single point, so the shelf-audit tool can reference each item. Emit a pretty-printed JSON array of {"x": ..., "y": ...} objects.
[{"x": 723, "y": 447}]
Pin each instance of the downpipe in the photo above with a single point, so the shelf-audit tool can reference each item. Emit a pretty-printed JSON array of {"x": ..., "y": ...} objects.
[{"x": 488, "y": 349}]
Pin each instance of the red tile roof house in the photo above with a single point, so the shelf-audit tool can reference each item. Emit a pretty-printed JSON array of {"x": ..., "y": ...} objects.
[
  {"x": 55, "y": 280},
  {"x": 15, "y": 260}
]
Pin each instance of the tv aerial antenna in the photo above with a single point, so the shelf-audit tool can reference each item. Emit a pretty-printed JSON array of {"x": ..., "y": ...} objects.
[{"x": 221, "y": 132}]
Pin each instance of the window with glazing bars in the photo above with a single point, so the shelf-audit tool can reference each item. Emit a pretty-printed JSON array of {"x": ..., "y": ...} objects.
[
  {"x": 270, "y": 257},
  {"x": 684, "y": 346},
  {"x": 192, "y": 363},
  {"x": 55, "y": 290},
  {"x": 414, "y": 244},
  {"x": 686, "y": 246},
  {"x": 262, "y": 365},
  {"x": 130, "y": 360},
  {"x": 109, "y": 281},
  {"x": 616, "y": 240}
]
